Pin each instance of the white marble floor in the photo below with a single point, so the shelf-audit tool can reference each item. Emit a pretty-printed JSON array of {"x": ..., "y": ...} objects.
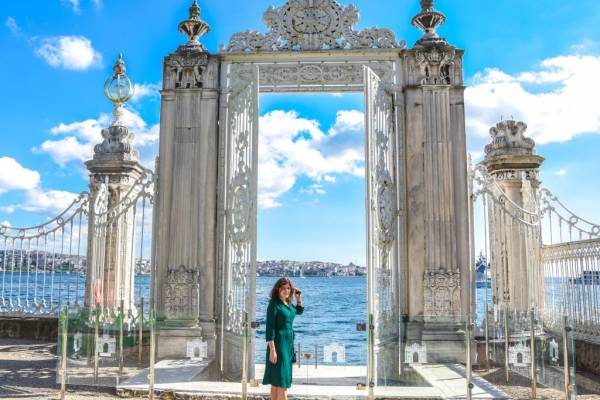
[{"x": 323, "y": 382}]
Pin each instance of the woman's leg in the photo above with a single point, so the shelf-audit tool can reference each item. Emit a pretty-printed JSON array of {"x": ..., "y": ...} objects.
[
  {"x": 284, "y": 394},
  {"x": 274, "y": 394},
  {"x": 280, "y": 393}
]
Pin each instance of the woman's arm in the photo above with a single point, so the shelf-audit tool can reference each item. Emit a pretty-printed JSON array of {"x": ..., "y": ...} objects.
[
  {"x": 270, "y": 332},
  {"x": 299, "y": 308},
  {"x": 270, "y": 328}
]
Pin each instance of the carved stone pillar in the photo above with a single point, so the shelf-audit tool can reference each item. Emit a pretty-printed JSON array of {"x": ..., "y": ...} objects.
[
  {"x": 114, "y": 170},
  {"x": 511, "y": 161},
  {"x": 185, "y": 216},
  {"x": 437, "y": 207}
]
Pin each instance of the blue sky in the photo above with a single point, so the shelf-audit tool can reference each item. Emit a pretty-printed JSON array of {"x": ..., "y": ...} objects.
[{"x": 538, "y": 61}]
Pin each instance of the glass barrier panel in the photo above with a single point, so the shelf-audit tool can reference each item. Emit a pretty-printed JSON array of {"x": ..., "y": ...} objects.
[
  {"x": 432, "y": 359},
  {"x": 104, "y": 348}
]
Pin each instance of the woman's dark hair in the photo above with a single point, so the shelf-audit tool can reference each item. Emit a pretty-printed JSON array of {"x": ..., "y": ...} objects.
[{"x": 281, "y": 282}]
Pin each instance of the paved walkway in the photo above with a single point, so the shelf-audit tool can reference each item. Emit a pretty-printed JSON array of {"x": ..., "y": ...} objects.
[
  {"x": 28, "y": 371},
  {"x": 323, "y": 382}
]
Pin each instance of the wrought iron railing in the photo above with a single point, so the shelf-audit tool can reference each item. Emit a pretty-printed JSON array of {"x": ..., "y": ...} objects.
[
  {"x": 45, "y": 267},
  {"x": 562, "y": 257},
  {"x": 571, "y": 266},
  {"x": 42, "y": 265}
]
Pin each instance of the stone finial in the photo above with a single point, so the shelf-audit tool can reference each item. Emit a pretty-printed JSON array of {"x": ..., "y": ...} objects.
[
  {"x": 508, "y": 138},
  {"x": 117, "y": 140},
  {"x": 428, "y": 20},
  {"x": 194, "y": 27}
]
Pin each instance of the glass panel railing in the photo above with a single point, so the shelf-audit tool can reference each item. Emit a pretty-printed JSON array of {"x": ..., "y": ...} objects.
[
  {"x": 432, "y": 359},
  {"x": 103, "y": 348}
]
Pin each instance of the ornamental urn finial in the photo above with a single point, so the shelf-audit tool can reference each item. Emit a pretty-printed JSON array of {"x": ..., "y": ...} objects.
[
  {"x": 118, "y": 89},
  {"x": 428, "y": 20},
  {"x": 194, "y": 27}
]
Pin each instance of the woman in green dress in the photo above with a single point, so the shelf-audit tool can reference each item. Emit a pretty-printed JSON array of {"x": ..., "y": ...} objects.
[{"x": 280, "y": 337}]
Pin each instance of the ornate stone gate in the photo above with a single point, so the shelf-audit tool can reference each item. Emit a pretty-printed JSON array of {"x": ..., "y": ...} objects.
[{"x": 416, "y": 179}]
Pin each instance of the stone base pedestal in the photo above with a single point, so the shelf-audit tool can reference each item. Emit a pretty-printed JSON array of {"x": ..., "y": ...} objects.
[
  {"x": 172, "y": 343},
  {"x": 444, "y": 344},
  {"x": 444, "y": 341}
]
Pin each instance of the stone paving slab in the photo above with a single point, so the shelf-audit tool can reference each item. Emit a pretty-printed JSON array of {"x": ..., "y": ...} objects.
[{"x": 451, "y": 380}]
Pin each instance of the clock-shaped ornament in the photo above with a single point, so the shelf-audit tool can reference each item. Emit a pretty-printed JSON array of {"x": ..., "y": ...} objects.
[{"x": 312, "y": 25}]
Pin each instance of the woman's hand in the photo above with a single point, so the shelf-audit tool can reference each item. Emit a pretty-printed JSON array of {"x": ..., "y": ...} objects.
[
  {"x": 298, "y": 294},
  {"x": 273, "y": 357}
]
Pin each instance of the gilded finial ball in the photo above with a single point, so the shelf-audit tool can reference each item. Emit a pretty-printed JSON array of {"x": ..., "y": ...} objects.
[{"x": 118, "y": 88}]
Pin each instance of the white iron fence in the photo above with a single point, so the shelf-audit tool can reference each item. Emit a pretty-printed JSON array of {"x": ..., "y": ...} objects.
[
  {"x": 541, "y": 255},
  {"x": 45, "y": 267}
]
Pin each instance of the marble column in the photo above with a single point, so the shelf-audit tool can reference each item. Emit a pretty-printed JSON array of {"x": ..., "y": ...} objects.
[
  {"x": 185, "y": 211},
  {"x": 511, "y": 161},
  {"x": 437, "y": 206}
]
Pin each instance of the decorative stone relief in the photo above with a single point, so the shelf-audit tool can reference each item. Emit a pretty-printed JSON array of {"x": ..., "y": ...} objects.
[
  {"x": 508, "y": 138},
  {"x": 189, "y": 68},
  {"x": 312, "y": 25},
  {"x": 116, "y": 145},
  {"x": 415, "y": 353},
  {"x": 181, "y": 292},
  {"x": 515, "y": 175},
  {"x": 319, "y": 74},
  {"x": 434, "y": 65},
  {"x": 442, "y": 294}
]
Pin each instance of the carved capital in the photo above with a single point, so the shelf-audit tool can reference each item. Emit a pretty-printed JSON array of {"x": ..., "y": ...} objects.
[
  {"x": 435, "y": 65},
  {"x": 116, "y": 145},
  {"x": 508, "y": 138},
  {"x": 189, "y": 68}
]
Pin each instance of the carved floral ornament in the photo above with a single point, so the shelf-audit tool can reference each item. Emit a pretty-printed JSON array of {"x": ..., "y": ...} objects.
[
  {"x": 312, "y": 25},
  {"x": 508, "y": 138},
  {"x": 436, "y": 64}
]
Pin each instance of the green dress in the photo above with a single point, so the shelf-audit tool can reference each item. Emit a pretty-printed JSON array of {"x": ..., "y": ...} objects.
[{"x": 280, "y": 320}]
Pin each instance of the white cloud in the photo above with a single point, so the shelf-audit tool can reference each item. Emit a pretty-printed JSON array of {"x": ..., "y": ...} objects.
[
  {"x": 145, "y": 90},
  {"x": 80, "y": 137},
  {"x": 291, "y": 146},
  {"x": 561, "y": 172},
  {"x": 13, "y": 176},
  {"x": 74, "y": 4},
  {"x": 5, "y": 223},
  {"x": 557, "y": 100},
  {"x": 69, "y": 52},
  {"x": 315, "y": 188},
  {"x": 12, "y": 25},
  {"x": 41, "y": 201},
  {"x": 67, "y": 149}
]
